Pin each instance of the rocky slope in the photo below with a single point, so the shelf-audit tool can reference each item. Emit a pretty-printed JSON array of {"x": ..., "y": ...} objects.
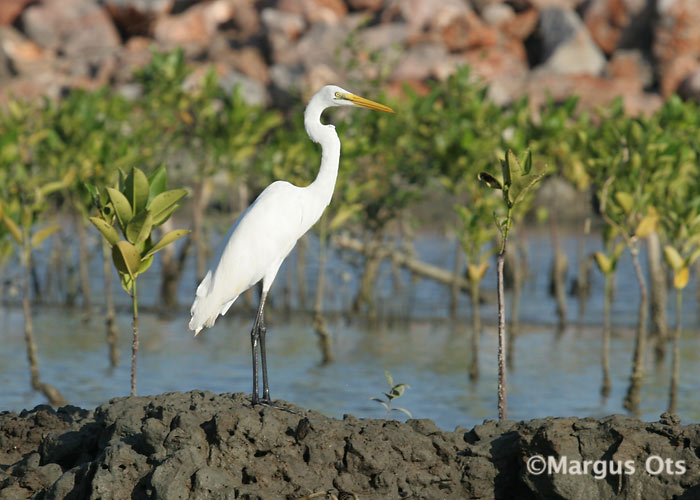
[
  {"x": 643, "y": 50},
  {"x": 200, "y": 445}
]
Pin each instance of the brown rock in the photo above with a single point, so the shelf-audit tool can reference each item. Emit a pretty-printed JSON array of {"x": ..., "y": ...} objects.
[
  {"x": 250, "y": 62},
  {"x": 282, "y": 29},
  {"x": 136, "y": 54},
  {"x": 619, "y": 23},
  {"x": 630, "y": 65},
  {"x": 25, "y": 55},
  {"x": 523, "y": 25},
  {"x": 317, "y": 76},
  {"x": 315, "y": 11},
  {"x": 397, "y": 89},
  {"x": 426, "y": 61},
  {"x": 676, "y": 43},
  {"x": 76, "y": 27},
  {"x": 373, "y": 5},
  {"x": 690, "y": 87},
  {"x": 418, "y": 14},
  {"x": 504, "y": 68},
  {"x": 676, "y": 71},
  {"x": 194, "y": 27},
  {"x": 229, "y": 80},
  {"x": 593, "y": 92},
  {"x": 465, "y": 31},
  {"x": 11, "y": 9},
  {"x": 246, "y": 18}
]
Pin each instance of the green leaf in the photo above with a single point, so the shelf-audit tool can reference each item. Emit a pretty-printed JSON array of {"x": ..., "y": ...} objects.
[
  {"x": 145, "y": 264},
  {"x": 166, "y": 240},
  {"x": 121, "y": 205},
  {"x": 399, "y": 389},
  {"x": 673, "y": 258},
  {"x": 40, "y": 236},
  {"x": 680, "y": 278},
  {"x": 136, "y": 189},
  {"x": 139, "y": 227},
  {"x": 404, "y": 410},
  {"x": 625, "y": 200},
  {"x": 156, "y": 182},
  {"x": 161, "y": 205},
  {"x": 476, "y": 273},
  {"x": 527, "y": 166},
  {"x": 164, "y": 216},
  {"x": 528, "y": 187},
  {"x": 604, "y": 263},
  {"x": 108, "y": 232},
  {"x": 13, "y": 228},
  {"x": 618, "y": 251},
  {"x": 127, "y": 282},
  {"x": 647, "y": 225},
  {"x": 389, "y": 378},
  {"x": 489, "y": 180},
  {"x": 126, "y": 258},
  {"x": 92, "y": 191},
  {"x": 693, "y": 257},
  {"x": 507, "y": 169}
]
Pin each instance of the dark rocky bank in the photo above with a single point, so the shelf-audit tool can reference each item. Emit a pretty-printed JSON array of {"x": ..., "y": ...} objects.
[{"x": 200, "y": 445}]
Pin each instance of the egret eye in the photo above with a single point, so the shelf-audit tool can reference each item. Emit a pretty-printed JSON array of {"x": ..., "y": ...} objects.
[{"x": 338, "y": 95}]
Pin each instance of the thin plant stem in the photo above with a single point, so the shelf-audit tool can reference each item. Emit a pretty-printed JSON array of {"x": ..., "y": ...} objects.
[
  {"x": 675, "y": 371},
  {"x": 324, "y": 338},
  {"x": 632, "y": 398},
  {"x": 476, "y": 330},
  {"x": 110, "y": 314},
  {"x": 502, "y": 383},
  {"x": 135, "y": 339},
  {"x": 28, "y": 324},
  {"x": 606, "y": 386},
  {"x": 83, "y": 266}
]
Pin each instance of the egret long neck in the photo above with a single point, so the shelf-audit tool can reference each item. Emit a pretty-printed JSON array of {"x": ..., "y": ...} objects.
[{"x": 326, "y": 136}]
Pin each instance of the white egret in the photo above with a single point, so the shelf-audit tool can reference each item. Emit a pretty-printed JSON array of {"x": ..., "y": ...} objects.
[{"x": 262, "y": 237}]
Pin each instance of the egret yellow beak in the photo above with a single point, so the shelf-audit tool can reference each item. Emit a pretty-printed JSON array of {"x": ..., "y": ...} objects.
[{"x": 366, "y": 103}]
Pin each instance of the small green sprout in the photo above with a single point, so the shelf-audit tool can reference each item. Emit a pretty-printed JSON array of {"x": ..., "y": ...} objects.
[{"x": 396, "y": 391}]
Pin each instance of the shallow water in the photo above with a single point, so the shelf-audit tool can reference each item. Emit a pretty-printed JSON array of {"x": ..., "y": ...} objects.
[{"x": 556, "y": 375}]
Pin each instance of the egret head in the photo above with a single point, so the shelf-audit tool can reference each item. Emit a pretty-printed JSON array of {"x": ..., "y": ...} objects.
[{"x": 336, "y": 96}]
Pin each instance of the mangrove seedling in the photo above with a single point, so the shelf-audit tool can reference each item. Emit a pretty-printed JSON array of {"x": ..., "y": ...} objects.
[
  {"x": 395, "y": 391},
  {"x": 20, "y": 214},
  {"x": 137, "y": 205},
  {"x": 607, "y": 263},
  {"x": 514, "y": 191}
]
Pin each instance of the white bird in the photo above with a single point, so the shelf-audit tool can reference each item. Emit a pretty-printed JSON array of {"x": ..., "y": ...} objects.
[{"x": 262, "y": 237}]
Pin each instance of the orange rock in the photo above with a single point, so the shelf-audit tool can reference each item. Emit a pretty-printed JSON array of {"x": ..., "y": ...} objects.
[
  {"x": 522, "y": 25},
  {"x": 594, "y": 92},
  {"x": 676, "y": 43},
  {"x": 11, "y": 9},
  {"x": 193, "y": 27},
  {"x": 250, "y": 62},
  {"x": 466, "y": 31},
  {"x": 314, "y": 11},
  {"x": 630, "y": 65}
]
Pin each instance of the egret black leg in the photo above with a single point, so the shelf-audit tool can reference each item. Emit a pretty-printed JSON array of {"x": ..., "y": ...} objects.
[
  {"x": 254, "y": 341},
  {"x": 262, "y": 331},
  {"x": 257, "y": 339}
]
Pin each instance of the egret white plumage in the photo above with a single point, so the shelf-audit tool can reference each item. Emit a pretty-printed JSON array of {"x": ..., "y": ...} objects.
[{"x": 264, "y": 234}]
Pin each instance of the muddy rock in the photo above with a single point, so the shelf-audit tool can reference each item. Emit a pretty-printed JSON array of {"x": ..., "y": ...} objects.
[{"x": 203, "y": 445}]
